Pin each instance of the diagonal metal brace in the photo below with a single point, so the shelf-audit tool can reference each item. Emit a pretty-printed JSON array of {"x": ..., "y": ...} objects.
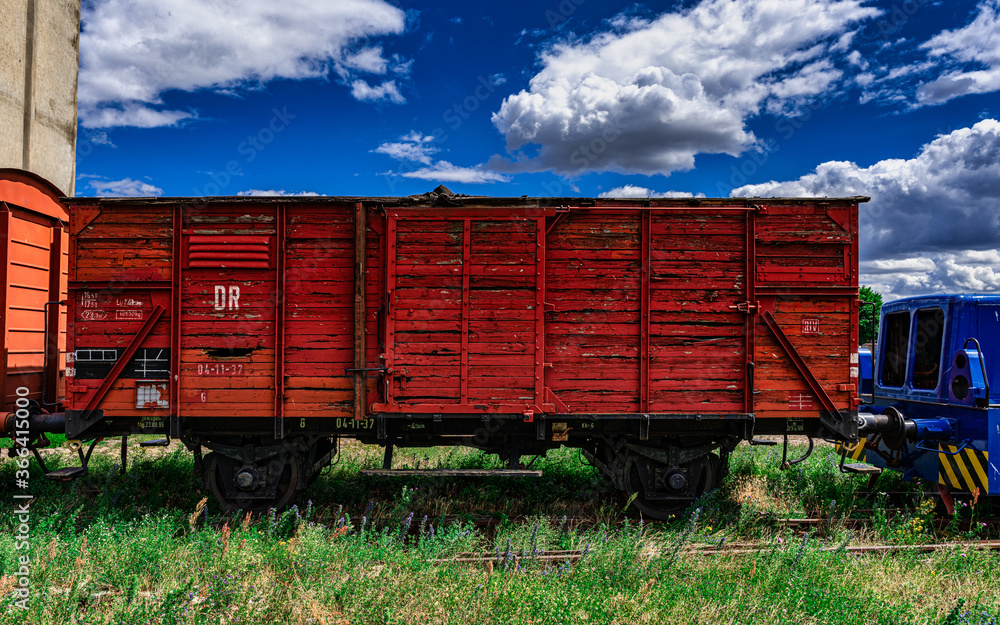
[
  {"x": 125, "y": 358},
  {"x": 800, "y": 365},
  {"x": 79, "y": 420}
]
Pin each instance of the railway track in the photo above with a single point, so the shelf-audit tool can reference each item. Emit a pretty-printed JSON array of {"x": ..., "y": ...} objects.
[
  {"x": 572, "y": 556},
  {"x": 885, "y": 507},
  {"x": 989, "y": 524},
  {"x": 865, "y": 518}
]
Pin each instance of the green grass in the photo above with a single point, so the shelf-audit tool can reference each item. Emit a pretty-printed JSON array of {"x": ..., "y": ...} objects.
[{"x": 137, "y": 549}]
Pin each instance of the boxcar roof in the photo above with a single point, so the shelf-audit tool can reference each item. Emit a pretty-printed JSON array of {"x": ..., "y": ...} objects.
[
  {"x": 31, "y": 191},
  {"x": 445, "y": 200}
]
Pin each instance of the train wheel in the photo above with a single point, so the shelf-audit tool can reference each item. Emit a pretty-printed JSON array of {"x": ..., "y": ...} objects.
[
  {"x": 252, "y": 488},
  {"x": 662, "y": 492}
]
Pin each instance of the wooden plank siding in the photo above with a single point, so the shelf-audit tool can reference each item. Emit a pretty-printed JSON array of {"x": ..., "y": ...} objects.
[
  {"x": 228, "y": 364},
  {"x": 593, "y": 270},
  {"x": 116, "y": 255},
  {"x": 613, "y": 308},
  {"x": 807, "y": 273},
  {"x": 464, "y": 314}
]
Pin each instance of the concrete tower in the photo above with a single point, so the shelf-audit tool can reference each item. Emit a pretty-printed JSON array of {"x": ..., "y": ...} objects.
[{"x": 39, "y": 62}]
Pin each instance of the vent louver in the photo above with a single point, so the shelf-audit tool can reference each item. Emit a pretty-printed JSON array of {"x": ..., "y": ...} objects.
[{"x": 234, "y": 251}]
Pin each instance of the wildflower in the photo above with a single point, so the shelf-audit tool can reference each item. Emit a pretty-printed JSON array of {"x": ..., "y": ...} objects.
[{"x": 406, "y": 526}]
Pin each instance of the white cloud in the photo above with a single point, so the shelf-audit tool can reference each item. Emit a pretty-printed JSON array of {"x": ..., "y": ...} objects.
[
  {"x": 125, "y": 187},
  {"x": 97, "y": 137},
  {"x": 276, "y": 193},
  {"x": 443, "y": 171},
  {"x": 864, "y": 80},
  {"x": 976, "y": 47},
  {"x": 631, "y": 190},
  {"x": 415, "y": 147},
  {"x": 368, "y": 93},
  {"x": 974, "y": 271},
  {"x": 649, "y": 95},
  {"x": 368, "y": 60},
  {"x": 897, "y": 265},
  {"x": 893, "y": 85},
  {"x": 934, "y": 220},
  {"x": 130, "y": 114},
  {"x": 133, "y": 51},
  {"x": 410, "y": 147}
]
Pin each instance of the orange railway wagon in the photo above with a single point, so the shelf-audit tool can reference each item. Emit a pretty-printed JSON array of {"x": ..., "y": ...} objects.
[
  {"x": 653, "y": 334},
  {"x": 34, "y": 246}
]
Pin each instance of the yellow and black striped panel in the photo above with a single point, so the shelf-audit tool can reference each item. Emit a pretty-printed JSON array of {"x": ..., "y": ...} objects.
[
  {"x": 855, "y": 451},
  {"x": 965, "y": 470}
]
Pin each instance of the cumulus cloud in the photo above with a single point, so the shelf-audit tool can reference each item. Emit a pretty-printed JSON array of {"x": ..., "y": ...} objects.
[
  {"x": 133, "y": 51},
  {"x": 649, "y": 95},
  {"x": 373, "y": 93},
  {"x": 973, "y": 271},
  {"x": 631, "y": 190},
  {"x": 443, "y": 171},
  {"x": 951, "y": 64},
  {"x": 410, "y": 147},
  {"x": 975, "y": 48},
  {"x": 276, "y": 193},
  {"x": 934, "y": 220},
  {"x": 368, "y": 59},
  {"x": 126, "y": 187},
  {"x": 415, "y": 148},
  {"x": 130, "y": 114}
]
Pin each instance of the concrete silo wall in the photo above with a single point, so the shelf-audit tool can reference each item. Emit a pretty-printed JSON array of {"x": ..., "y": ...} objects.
[{"x": 39, "y": 61}]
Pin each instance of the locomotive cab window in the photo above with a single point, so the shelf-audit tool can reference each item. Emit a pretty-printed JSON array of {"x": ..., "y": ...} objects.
[
  {"x": 927, "y": 348},
  {"x": 897, "y": 339}
]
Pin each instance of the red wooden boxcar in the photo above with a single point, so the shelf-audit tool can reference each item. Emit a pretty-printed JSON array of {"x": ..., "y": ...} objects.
[
  {"x": 33, "y": 249},
  {"x": 654, "y": 334}
]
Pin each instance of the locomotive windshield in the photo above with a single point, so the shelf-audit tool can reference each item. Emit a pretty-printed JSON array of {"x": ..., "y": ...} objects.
[
  {"x": 897, "y": 335},
  {"x": 927, "y": 349}
]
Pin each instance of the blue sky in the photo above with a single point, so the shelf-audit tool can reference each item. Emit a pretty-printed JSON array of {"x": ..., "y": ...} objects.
[{"x": 896, "y": 99}]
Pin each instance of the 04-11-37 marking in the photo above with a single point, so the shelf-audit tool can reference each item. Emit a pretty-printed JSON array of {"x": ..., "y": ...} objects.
[{"x": 221, "y": 369}]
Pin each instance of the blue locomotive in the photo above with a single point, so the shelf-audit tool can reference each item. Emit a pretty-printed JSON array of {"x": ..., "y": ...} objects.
[{"x": 931, "y": 412}]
